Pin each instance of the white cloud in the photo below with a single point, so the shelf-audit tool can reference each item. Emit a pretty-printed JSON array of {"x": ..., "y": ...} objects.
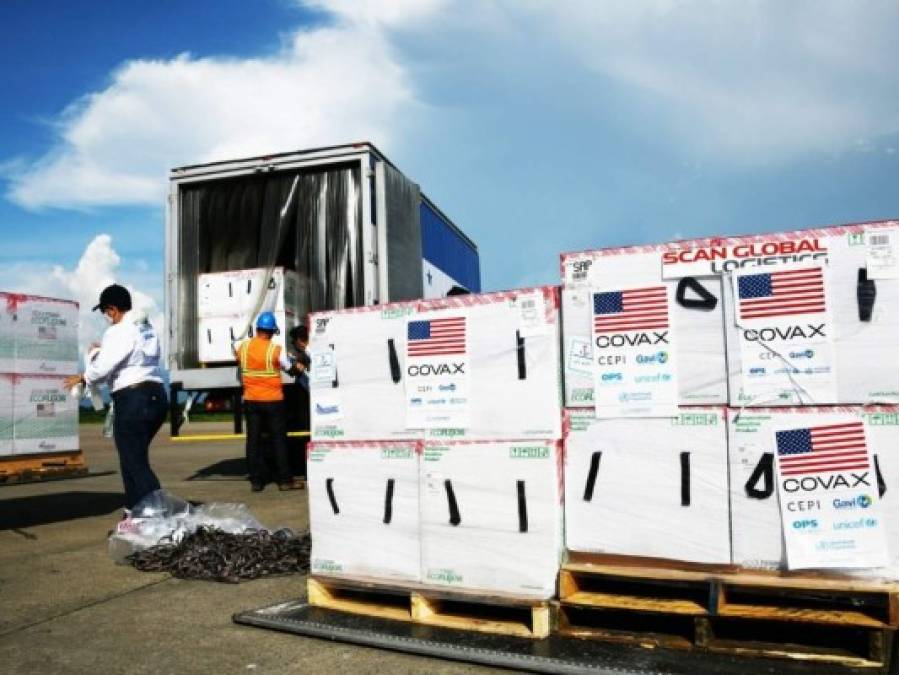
[
  {"x": 731, "y": 83},
  {"x": 328, "y": 85},
  {"x": 98, "y": 267}
]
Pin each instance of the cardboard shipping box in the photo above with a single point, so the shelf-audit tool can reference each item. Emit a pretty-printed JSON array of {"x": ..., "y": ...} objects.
[
  {"x": 491, "y": 516},
  {"x": 45, "y": 415},
  {"x": 46, "y": 334},
  {"x": 654, "y": 487},
  {"x": 6, "y": 414},
  {"x": 219, "y": 335},
  {"x": 757, "y": 528},
  {"x": 357, "y": 377},
  {"x": 512, "y": 382},
  {"x": 364, "y": 510},
  {"x": 696, "y": 322},
  {"x": 240, "y": 292}
]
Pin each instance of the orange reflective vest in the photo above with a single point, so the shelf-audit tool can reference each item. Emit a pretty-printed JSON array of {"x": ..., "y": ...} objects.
[{"x": 259, "y": 370}]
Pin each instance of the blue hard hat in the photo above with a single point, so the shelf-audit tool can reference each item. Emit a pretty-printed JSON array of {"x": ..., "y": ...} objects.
[{"x": 266, "y": 321}]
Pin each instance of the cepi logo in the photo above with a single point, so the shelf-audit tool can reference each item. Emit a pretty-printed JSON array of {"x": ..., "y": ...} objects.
[
  {"x": 658, "y": 357},
  {"x": 807, "y": 354},
  {"x": 860, "y": 502}
]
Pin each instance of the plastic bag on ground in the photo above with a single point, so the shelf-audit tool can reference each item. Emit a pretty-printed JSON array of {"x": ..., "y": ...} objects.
[{"x": 163, "y": 516}]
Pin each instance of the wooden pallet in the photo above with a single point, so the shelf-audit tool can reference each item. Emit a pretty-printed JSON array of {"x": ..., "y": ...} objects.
[
  {"x": 26, "y": 469},
  {"x": 845, "y": 621},
  {"x": 434, "y": 607}
]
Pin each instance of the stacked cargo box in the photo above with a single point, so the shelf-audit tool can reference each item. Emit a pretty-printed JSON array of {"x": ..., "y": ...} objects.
[
  {"x": 436, "y": 459},
  {"x": 229, "y": 302},
  {"x": 38, "y": 348}
]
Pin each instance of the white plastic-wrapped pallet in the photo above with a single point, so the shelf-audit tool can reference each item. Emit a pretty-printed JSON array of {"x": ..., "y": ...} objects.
[
  {"x": 695, "y": 326},
  {"x": 508, "y": 357},
  {"x": 756, "y": 521},
  {"x": 492, "y": 516},
  {"x": 46, "y": 335},
  {"x": 364, "y": 510},
  {"x": 654, "y": 487},
  {"x": 6, "y": 414},
  {"x": 356, "y": 379},
  {"x": 45, "y": 415},
  {"x": 218, "y": 335}
]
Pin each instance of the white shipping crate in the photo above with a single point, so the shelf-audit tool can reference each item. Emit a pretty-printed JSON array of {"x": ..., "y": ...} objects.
[
  {"x": 864, "y": 364},
  {"x": 492, "y": 517},
  {"x": 46, "y": 335},
  {"x": 364, "y": 510},
  {"x": 514, "y": 388},
  {"x": 45, "y": 415},
  {"x": 357, "y": 375},
  {"x": 6, "y": 415},
  {"x": 696, "y": 321},
  {"x": 218, "y": 335},
  {"x": 756, "y": 524},
  {"x": 654, "y": 487},
  {"x": 238, "y": 292}
]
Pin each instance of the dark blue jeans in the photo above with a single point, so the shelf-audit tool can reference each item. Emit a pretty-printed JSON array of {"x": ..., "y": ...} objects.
[
  {"x": 266, "y": 416},
  {"x": 139, "y": 412}
]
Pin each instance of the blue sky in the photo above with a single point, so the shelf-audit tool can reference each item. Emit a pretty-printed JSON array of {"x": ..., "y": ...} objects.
[{"x": 539, "y": 127}]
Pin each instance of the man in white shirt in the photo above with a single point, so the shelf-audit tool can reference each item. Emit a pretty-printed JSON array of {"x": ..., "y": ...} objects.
[{"x": 128, "y": 363}]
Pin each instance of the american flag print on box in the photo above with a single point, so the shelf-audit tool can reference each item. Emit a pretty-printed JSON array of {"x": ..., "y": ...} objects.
[
  {"x": 787, "y": 293},
  {"x": 823, "y": 449},
  {"x": 436, "y": 337},
  {"x": 633, "y": 309}
]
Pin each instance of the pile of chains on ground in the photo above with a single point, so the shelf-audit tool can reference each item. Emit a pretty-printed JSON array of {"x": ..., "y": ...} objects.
[{"x": 209, "y": 553}]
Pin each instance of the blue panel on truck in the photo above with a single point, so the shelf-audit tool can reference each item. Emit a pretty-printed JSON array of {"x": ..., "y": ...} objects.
[{"x": 446, "y": 249}]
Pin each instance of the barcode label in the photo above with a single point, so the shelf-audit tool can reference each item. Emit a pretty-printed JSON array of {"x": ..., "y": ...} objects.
[
  {"x": 879, "y": 240},
  {"x": 529, "y": 304}
]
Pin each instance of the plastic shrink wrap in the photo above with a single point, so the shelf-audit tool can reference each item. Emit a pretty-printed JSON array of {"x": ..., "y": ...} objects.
[
  {"x": 492, "y": 516},
  {"x": 364, "y": 510},
  {"x": 654, "y": 487}
]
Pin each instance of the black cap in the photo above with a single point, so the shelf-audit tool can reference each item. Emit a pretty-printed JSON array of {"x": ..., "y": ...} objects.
[{"x": 114, "y": 296}]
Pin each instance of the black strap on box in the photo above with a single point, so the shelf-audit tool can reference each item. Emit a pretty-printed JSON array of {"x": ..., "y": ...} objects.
[
  {"x": 522, "y": 508},
  {"x": 395, "y": 372},
  {"x": 685, "y": 479},
  {"x": 454, "y": 517},
  {"x": 881, "y": 483},
  {"x": 591, "y": 476},
  {"x": 706, "y": 301},
  {"x": 329, "y": 486},
  {"x": 865, "y": 294},
  {"x": 522, "y": 362},
  {"x": 388, "y": 502}
]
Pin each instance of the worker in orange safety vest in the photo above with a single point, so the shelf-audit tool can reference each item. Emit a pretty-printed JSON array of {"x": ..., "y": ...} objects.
[{"x": 261, "y": 362}]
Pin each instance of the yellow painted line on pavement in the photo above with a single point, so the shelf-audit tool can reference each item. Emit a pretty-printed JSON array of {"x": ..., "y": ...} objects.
[{"x": 229, "y": 437}]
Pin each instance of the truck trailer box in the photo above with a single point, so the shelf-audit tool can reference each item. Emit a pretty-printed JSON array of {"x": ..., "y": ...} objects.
[
  {"x": 491, "y": 516},
  {"x": 364, "y": 510},
  {"x": 756, "y": 524},
  {"x": 692, "y": 339},
  {"x": 817, "y": 331},
  {"x": 653, "y": 487},
  {"x": 45, "y": 415},
  {"x": 354, "y": 229}
]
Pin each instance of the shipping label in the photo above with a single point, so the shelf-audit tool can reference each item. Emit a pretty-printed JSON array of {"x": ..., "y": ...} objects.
[
  {"x": 786, "y": 336},
  {"x": 829, "y": 501},
  {"x": 634, "y": 352},
  {"x": 437, "y": 372}
]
